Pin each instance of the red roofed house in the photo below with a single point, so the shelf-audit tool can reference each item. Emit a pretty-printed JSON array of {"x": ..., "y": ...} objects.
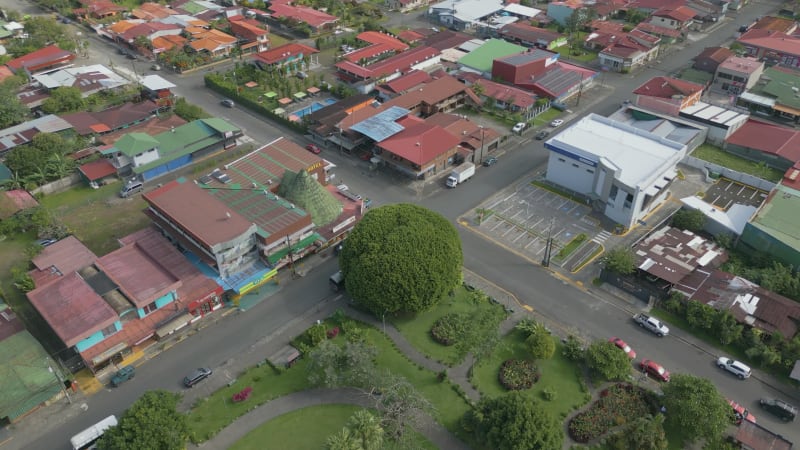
[
  {"x": 421, "y": 150},
  {"x": 710, "y": 58},
  {"x": 44, "y": 58},
  {"x": 152, "y": 11},
  {"x": 316, "y": 20},
  {"x": 667, "y": 95},
  {"x": 286, "y": 54},
  {"x": 405, "y": 5},
  {"x": 676, "y": 18},
  {"x": 96, "y": 173},
  {"x": 737, "y": 74},
  {"x": 403, "y": 84},
  {"x": 14, "y": 201},
  {"x": 623, "y": 52},
  {"x": 252, "y": 34},
  {"x": 149, "y": 30},
  {"x": 504, "y": 96},
  {"x": 380, "y": 44},
  {"x": 774, "y": 145},
  {"x": 530, "y": 36},
  {"x": 540, "y": 71},
  {"x": 476, "y": 140},
  {"x": 365, "y": 78},
  {"x": 444, "y": 94},
  {"x": 98, "y": 9},
  {"x": 213, "y": 42},
  {"x": 772, "y": 47}
]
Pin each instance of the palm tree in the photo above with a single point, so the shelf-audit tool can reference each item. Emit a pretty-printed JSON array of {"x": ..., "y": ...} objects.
[
  {"x": 58, "y": 166},
  {"x": 367, "y": 428},
  {"x": 343, "y": 440},
  {"x": 15, "y": 182}
]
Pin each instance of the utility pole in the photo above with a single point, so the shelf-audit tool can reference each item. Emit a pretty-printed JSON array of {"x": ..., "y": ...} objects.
[
  {"x": 580, "y": 91},
  {"x": 548, "y": 248},
  {"x": 57, "y": 374}
]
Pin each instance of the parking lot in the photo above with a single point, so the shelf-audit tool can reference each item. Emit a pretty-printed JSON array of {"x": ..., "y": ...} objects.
[
  {"x": 522, "y": 220},
  {"x": 724, "y": 193}
]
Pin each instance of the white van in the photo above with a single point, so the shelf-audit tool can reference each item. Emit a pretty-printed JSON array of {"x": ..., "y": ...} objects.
[{"x": 132, "y": 188}]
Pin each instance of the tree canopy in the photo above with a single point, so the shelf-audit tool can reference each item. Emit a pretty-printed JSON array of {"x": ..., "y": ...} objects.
[
  {"x": 689, "y": 219},
  {"x": 513, "y": 421},
  {"x": 362, "y": 432},
  {"x": 605, "y": 359},
  {"x": 12, "y": 111},
  {"x": 620, "y": 260},
  {"x": 153, "y": 421},
  {"x": 695, "y": 406},
  {"x": 41, "y": 30},
  {"x": 64, "y": 99},
  {"x": 401, "y": 257}
]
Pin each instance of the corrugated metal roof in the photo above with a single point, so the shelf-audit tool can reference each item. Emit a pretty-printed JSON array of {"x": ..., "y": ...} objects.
[{"x": 381, "y": 125}]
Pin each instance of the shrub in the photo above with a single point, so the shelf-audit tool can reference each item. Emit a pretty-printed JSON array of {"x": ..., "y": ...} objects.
[
  {"x": 541, "y": 345},
  {"x": 447, "y": 329},
  {"x": 242, "y": 395},
  {"x": 572, "y": 350},
  {"x": 549, "y": 394},
  {"x": 518, "y": 374},
  {"x": 619, "y": 404},
  {"x": 333, "y": 332}
]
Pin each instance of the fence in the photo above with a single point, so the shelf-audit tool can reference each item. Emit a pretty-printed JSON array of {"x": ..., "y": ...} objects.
[
  {"x": 743, "y": 178},
  {"x": 57, "y": 186}
]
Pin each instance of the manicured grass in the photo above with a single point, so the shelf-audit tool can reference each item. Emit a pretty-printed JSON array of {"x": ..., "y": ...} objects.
[
  {"x": 292, "y": 431},
  {"x": 556, "y": 190},
  {"x": 557, "y": 373},
  {"x": 450, "y": 406},
  {"x": 546, "y": 117},
  {"x": 417, "y": 328},
  {"x": 571, "y": 247},
  {"x": 716, "y": 155},
  {"x": 210, "y": 415}
]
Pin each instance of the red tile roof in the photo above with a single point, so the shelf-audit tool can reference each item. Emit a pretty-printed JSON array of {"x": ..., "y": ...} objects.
[
  {"x": 305, "y": 14},
  {"x": 657, "y": 30},
  {"x": 420, "y": 143},
  {"x": 45, "y": 57},
  {"x": 72, "y": 308},
  {"x": 780, "y": 24},
  {"x": 666, "y": 87},
  {"x": 375, "y": 37},
  {"x": 17, "y": 200},
  {"x": 203, "y": 217},
  {"x": 65, "y": 256},
  {"x": 407, "y": 81},
  {"x": 771, "y": 40},
  {"x": 717, "y": 54},
  {"x": 430, "y": 93},
  {"x": 768, "y": 138},
  {"x": 146, "y": 29},
  {"x": 5, "y": 72},
  {"x": 680, "y": 14},
  {"x": 528, "y": 33},
  {"x": 410, "y": 36},
  {"x": 97, "y": 169},
  {"x": 401, "y": 62},
  {"x": 792, "y": 177},
  {"x": 247, "y": 29},
  {"x": 283, "y": 52},
  {"x": 150, "y": 11}
]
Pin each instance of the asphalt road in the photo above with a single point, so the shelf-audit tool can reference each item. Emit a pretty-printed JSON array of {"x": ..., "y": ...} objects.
[{"x": 585, "y": 314}]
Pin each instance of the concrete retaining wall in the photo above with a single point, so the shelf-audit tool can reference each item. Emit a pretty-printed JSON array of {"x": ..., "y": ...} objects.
[
  {"x": 743, "y": 178},
  {"x": 57, "y": 186}
]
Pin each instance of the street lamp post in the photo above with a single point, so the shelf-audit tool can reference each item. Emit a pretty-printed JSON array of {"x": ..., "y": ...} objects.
[
  {"x": 383, "y": 319},
  {"x": 60, "y": 381}
]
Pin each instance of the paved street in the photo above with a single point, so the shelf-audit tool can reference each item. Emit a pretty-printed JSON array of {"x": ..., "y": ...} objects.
[{"x": 237, "y": 340}]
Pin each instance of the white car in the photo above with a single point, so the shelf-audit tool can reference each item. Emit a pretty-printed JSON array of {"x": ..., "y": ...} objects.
[
  {"x": 556, "y": 123},
  {"x": 518, "y": 127},
  {"x": 737, "y": 368}
]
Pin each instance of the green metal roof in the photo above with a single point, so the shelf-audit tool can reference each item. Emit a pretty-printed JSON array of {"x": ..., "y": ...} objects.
[
  {"x": 274, "y": 257},
  {"x": 778, "y": 216},
  {"x": 25, "y": 379},
  {"x": 697, "y": 76},
  {"x": 132, "y": 144},
  {"x": 193, "y": 8},
  {"x": 264, "y": 209},
  {"x": 780, "y": 86},
  {"x": 219, "y": 124},
  {"x": 482, "y": 57}
]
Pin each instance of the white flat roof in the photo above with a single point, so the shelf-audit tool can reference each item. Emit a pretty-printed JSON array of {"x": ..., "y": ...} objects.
[
  {"x": 469, "y": 10},
  {"x": 155, "y": 83},
  {"x": 526, "y": 11},
  {"x": 640, "y": 155},
  {"x": 713, "y": 113}
]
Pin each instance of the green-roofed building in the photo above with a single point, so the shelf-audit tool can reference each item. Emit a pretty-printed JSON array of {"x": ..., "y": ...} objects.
[
  {"x": 774, "y": 229},
  {"x": 482, "y": 58},
  {"x": 25, "y": 378},
  {"x": 300, "y": 189},
  {"x": 775, "y": 92},
  {"x": 148, "y": 157},
  {"x": 697, "y": 76}
]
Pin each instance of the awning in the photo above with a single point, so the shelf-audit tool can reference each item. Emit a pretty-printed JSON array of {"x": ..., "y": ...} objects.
[
  {"x": 285, "y": 101},
  {"x": 251, "y": 84},
  {"x": 174, "y": 325},
  {"x": 279, "y": 111},
  {"x": 299, "y": 95},
  {"x": 109, "y": 353},
  {"x": 271, "y": 94},
  {"x": 786, "y": 109},
  {"x": 313, "y": 90}
]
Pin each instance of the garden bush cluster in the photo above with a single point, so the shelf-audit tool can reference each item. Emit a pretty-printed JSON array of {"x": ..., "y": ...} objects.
[
  {"x": 447, "y": 329},
  {"x": 518, "y": 374},
  {"x": 242, "y": 395},
  {"x": 618, "y": 405}
]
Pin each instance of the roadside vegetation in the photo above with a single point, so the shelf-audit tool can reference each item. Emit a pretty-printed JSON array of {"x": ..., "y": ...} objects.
[{"x": 716, "y": 155}]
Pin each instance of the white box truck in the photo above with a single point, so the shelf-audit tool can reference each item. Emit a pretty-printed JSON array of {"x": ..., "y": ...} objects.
[{"x": 461, "y": 174}]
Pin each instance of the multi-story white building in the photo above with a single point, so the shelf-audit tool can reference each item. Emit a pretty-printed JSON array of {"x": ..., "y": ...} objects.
[{"x": 626, "y": 171}]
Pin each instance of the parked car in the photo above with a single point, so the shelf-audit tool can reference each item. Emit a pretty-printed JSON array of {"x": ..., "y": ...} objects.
[
  {"x": 124, "y": 374},
  {"x": 651, "y": 323},
  {"x": 302, "y": 75},
  {"x": 45, "y": 242},
  {"x": 780, "y": 408},
  {"x": 490, "y": 161},
  {"x": 655, "y": 369},
  {"x": 737, "y": 368},
  {"x": 556, "y": 123},
  {"x": 196, "y": 376},
  {"x": 623, "y": 346},
  {"x": 155, "y": 67},
  {"x": 228, "y": 102},
  {"x": 741, "y": 413},
  {"x": 519, "y": 127},
  {"x": 313, "y": 148},
  {"x": 131, "y": 56},
  {"x": 542, "y": 135}
]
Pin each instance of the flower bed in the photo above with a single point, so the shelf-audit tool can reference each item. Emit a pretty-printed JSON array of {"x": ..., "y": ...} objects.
[
  {"x": 617, "y": 405},
  {"x": 447, "y": 329},
  {"x": 518, "y": 374}
]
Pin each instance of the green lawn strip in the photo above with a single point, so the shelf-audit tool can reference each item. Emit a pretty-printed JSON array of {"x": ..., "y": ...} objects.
[
  {"x": 210, "y": 415},
  {"x": 557, "y": 373},
  {"x": 716, "y": 155},
  {"x": 292, "y": 430},
  {"x": 546, "y": 117},
  {"x": 557, "y": 191},
  {"x": 417, "y": 328},
  {"x": 450, "y": 406},
  {"x": 571, "y": 246}
]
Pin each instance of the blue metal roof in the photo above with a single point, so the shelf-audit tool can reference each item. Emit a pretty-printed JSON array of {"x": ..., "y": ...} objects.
[{"x": 381, "y": 126}]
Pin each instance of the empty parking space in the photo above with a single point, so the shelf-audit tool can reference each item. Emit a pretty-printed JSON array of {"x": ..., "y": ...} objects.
[{"x": 725, "y": 193}]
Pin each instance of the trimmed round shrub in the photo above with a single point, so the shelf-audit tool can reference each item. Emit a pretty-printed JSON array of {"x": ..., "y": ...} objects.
[
  {"x": 447, "y": 329},
  {"x": 518, "y": 374}
]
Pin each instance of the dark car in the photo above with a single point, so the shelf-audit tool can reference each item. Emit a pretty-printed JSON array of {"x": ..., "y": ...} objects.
[
  {"x": 490, "y": 161},
  {"x": 228, "y": 102},
  {"x": 780, "y": 408},
  {"x": 197, "y": 376},
  {"x": 124, "y": 374},
  {"x": 542, "y": 134},
  {"x": 132, "y": 56}
]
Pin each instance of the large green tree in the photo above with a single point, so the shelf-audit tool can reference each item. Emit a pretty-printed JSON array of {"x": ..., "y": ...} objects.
[
  {"x": 41, "y": 31},
  {"x": 606, "y": 360},
  {"x": 696, "y": 407},
  {"x": 689, "y": 219},
  {"x": 620, "y": 260},
  {"x": 362, "y": 432},
  {"x": 12, "y": 111},
  {"x": 151, "y": 422},
  {"x": 64, "y": 99},
  {"x": 401, "y": 257},
  {"x": 513, "y": 421}
]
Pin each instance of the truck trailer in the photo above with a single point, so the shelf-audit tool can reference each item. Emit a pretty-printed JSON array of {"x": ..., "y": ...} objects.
[{"x": 460, "y": 174}]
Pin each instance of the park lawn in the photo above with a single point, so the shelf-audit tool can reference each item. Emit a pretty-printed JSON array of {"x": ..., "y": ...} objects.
[
  {"x": 450, "y": 406},
  {"x": 546, "y": 117},
  {"x": 211, "y": 414},
  {"x": 716, "y": 155},
  {"x": 557, "y": 373},
  {"x": 292, "y": 431},
  {"x": 98, "y": 217},
  {"x": 417, "y": 328}
]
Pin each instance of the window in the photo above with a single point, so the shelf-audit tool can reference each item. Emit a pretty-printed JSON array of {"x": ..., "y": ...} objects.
[
  {"x": 614, "y": 191},
  {"x": 150, "y": 308},
  {"x": 724, "y": 76},
  {"x": 628, "y": 201},
  {"x": 562, "y": 160},
  {"x": 109, "y": 331},
  {"x": 590, "y": 170},
  {"x": 574, "y": 165}
]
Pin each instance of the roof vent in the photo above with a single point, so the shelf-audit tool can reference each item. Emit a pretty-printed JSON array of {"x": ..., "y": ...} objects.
[{"x": 227, "y": 215}]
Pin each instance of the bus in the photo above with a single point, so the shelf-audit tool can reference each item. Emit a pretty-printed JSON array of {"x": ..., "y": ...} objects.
[{"x": 86, "y": 439}]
